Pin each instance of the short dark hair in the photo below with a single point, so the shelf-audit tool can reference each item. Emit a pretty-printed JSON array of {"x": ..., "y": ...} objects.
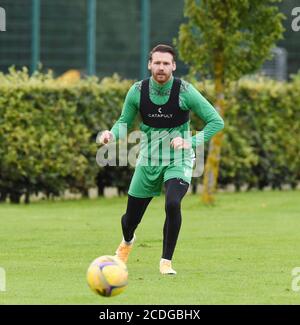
[{"x": 163, "y": 48}]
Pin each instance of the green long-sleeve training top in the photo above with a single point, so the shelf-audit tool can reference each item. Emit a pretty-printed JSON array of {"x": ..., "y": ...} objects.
[{"x": 189, "y": 99}]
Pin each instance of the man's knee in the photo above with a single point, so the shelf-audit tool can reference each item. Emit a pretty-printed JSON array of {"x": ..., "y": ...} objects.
[{"x": 172, "y": 205}]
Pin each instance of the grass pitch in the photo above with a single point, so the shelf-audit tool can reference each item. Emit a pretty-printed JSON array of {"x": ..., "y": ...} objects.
[{"x": 240, "y": 251}]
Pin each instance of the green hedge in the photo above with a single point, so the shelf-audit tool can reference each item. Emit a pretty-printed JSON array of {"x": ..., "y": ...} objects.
[
  {"x": 261, "y": 144},
  {"x": 48, "y": 130}
]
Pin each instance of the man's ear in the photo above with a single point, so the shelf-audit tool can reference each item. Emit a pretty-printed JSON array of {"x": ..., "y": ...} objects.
[
  {"x": 174, "y": 66},
  {"x": 149, "y": 65}
]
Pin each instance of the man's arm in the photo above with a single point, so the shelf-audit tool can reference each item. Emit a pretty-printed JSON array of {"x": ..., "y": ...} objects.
[
  {"x": 126, "y": 119},
  {"x": 203, "y": 109},
  {"x": 129, "y": 112}
]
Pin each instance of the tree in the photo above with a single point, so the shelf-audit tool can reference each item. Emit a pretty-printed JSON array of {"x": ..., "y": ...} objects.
[{"x": 226, "y": 40}]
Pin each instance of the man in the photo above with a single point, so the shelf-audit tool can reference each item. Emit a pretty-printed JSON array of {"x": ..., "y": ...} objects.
[{"x": 164, "y": 103}]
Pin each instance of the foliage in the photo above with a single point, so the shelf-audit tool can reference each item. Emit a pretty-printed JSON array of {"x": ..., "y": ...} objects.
[
  {"x": 48, "y": 130},
  {"x": 239, "y": 33},
  {"x": 261, "y": 139}
]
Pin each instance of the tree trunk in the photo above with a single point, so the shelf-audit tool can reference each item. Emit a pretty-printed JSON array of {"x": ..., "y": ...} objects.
[
  {"x": 15, "y": 197},
  {"x": 211, "y": 170},
  {"x": 27, "y": 197},
  {"x": 84, "y": 192},
  {"x": 3, "y": 196},
  {"x": 101, "y": 190}
]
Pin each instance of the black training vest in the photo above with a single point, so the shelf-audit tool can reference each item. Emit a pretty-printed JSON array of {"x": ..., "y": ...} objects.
[{"x": 168, "y": 115}]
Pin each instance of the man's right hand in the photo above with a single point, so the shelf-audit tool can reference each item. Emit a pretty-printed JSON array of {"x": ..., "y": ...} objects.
[{"x": 106, "y": 137}]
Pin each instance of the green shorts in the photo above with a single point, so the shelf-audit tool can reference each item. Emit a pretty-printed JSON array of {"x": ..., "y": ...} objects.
[{"x": 147, "y": 181}]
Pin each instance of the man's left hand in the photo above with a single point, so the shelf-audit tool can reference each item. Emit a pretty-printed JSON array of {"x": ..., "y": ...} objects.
[{"x": 180, "y": 143}]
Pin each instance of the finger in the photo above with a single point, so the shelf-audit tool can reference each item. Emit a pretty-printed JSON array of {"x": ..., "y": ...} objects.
[{"x": 176, "y": 145}]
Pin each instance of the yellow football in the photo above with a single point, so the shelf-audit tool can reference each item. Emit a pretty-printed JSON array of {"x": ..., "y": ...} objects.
[{"x": 107, "y": 276}]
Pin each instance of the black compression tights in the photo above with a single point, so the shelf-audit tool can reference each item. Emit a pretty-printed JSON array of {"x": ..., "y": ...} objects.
[{"x": 176, "y": 188}]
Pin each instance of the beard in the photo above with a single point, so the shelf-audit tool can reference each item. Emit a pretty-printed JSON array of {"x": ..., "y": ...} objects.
[{"x": 161, "y": 77}]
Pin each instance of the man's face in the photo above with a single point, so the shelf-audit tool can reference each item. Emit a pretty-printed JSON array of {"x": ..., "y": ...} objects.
[{"x": 161, "y": 66}]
